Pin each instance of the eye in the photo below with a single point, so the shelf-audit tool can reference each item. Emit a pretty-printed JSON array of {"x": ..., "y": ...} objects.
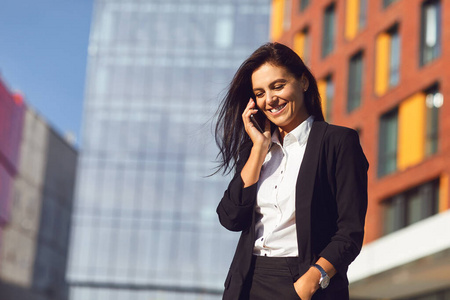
[
  {"x": 279, "y": 86},
  {"x": 259, "y": 95}
]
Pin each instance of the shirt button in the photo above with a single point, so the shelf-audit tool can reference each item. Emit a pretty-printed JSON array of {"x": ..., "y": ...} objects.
[
  {"x": 281, "y": 172},
  {"x": 276, "y": 206},
  {"x": 275, "y": 186},
  {"x": 262, "y": 239}
]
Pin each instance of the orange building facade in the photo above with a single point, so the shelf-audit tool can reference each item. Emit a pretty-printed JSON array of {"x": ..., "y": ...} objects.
[{"x": 382, "y": 69}]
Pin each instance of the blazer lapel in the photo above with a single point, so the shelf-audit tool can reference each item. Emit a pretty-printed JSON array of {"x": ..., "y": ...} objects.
[{"x": 304, "y": 191}]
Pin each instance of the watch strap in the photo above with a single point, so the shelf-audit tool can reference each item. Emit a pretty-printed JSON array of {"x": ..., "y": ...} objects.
[{"x": 321, "y": 270}]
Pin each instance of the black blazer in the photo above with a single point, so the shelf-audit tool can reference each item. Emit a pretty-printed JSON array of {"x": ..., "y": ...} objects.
[{"x": 331, "y": 204}]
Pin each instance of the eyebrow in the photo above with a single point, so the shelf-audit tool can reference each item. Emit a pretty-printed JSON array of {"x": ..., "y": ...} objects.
[{"x": 280, "y": 80}]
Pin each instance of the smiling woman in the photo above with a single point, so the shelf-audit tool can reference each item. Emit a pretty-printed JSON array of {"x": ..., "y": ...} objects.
[
  {"x": 299, "y": 193},
  {"x": 279, "y": 95}
]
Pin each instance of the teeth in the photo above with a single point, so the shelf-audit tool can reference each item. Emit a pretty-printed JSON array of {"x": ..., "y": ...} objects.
[{"x": 276, "y": 109}]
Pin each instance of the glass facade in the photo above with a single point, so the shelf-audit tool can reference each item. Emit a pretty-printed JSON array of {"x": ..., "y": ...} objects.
[{"x": 145, "y": 225}]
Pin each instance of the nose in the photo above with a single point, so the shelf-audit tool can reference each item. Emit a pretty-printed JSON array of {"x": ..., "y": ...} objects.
[{"x": 271, "y": 99}]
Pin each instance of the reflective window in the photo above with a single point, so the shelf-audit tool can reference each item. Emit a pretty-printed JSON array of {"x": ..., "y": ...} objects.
[
  {"x": 329, "y": 30},
  {"x": 355, "y": 81},
  {"x": 430, "y": 46},
  {"x": 411, "y": 206},
  {"x": 329, "y": 98},
  {"x": 304, "y": 4},
  {"x": 394, "y": 64},
  {"x": 388, "y": 2},
  {"x": 434, "y": 100},
  {"x": 387, "y": 145}
]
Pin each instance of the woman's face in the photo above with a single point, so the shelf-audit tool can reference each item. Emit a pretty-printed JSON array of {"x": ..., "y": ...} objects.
[{"x": 279, "y": 95}]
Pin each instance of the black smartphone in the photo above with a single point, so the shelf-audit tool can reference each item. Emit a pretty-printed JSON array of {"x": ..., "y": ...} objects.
[{"x": 258, "y": 120}]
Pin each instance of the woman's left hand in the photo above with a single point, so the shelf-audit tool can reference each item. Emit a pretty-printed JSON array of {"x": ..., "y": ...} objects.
[{"x": 308, "y": 284}]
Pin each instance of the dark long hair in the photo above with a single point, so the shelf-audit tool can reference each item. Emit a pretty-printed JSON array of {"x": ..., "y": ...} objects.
[{"x": 230, "y": 134}]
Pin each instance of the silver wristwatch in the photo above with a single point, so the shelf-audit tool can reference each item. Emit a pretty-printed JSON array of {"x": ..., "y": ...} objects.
[{"x": 324, "y": 278}]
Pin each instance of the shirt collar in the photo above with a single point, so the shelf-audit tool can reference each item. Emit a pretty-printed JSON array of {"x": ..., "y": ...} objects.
[{"x": 299, "y": 133}]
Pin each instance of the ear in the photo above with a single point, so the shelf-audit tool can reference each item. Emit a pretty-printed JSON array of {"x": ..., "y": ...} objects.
[{"x": 304, "y": 82}]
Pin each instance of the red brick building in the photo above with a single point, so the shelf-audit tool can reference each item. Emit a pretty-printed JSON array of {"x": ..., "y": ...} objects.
[{"x": 382, "y": 69}]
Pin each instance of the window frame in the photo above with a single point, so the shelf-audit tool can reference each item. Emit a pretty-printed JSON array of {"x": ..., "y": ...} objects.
[
  {"x": 400, "y": 204},
  {"x": 385, "y": 157},
  {"x": 329, "y": 36},
  {"x": 436, "y": 50},
  {"x": 354, "y": 92}
]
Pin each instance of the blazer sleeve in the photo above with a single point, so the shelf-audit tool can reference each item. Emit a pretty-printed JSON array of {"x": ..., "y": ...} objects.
[
  {"x": 351, "y": 202},
  {"x": 235, "y": 210}
]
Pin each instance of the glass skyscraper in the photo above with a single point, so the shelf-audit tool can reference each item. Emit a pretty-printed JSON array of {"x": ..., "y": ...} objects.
[{"x": 144, "y": 224}]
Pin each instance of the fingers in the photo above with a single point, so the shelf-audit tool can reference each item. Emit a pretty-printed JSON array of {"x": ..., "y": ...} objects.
[
  {"x": 248, "y": 111},
  {"x": 250, "y": 108}
]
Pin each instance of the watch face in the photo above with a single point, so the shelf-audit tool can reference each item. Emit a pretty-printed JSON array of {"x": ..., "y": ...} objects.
[{"x": 324, "y": 282}]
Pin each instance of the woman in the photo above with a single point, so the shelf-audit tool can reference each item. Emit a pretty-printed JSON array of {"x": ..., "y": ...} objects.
[{"x": 299, "y": 194}]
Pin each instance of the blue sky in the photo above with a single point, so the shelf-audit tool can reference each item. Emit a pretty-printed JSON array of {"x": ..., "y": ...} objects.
[{"x": 43, "y": 52}]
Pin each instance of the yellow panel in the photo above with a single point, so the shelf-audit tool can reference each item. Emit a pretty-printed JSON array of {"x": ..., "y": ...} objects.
[
  {"x": 411, "y": 131},
  {"x": 322, "y": 86},
  {"x": 277, "y": 19},
  {"x": 352, "y": 19},
  {"x": 382, "y": 64},
  {"x": 443, "y": 193},
  {"x": 299, "y": 44}
]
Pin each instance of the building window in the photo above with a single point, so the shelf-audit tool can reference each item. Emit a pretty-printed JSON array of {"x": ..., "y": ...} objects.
[
  {"x": 394, "y": 214},
  {"x": 387, "y": 60},
  {"x": 394, "y": 61},
  {"x": 356, "y": 17},
  {"x": 355, "y": 79},
  {"x": 362, "y": 13},
  {"x": 417, "y": 123},
  {"x": 430, "y": 45},
  {"x": 411, "y": 206},
  {"x": 434, "y": 100},
  {"x": 329, "y": 30},
  {"x": 326, "y": 91},
  {"x": 303, "y": 4},
  {"x": 302, "y": 45},
  {"x": 386, "y": 3},
  {"x": 387, "y": 150}
]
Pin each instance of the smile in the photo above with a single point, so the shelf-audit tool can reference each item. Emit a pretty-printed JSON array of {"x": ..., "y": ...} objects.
[{"x": 278, "y": 108}]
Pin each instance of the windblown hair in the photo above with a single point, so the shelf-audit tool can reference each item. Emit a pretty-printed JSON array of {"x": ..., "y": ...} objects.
[{"x": 230, "y": 134}]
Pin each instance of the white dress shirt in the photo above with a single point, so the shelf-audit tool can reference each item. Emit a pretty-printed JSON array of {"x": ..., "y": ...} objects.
[{"x": 275, "y": 203}]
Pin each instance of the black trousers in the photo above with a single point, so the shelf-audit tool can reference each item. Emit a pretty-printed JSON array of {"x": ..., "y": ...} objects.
[{"x": 273, "y": 278}]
